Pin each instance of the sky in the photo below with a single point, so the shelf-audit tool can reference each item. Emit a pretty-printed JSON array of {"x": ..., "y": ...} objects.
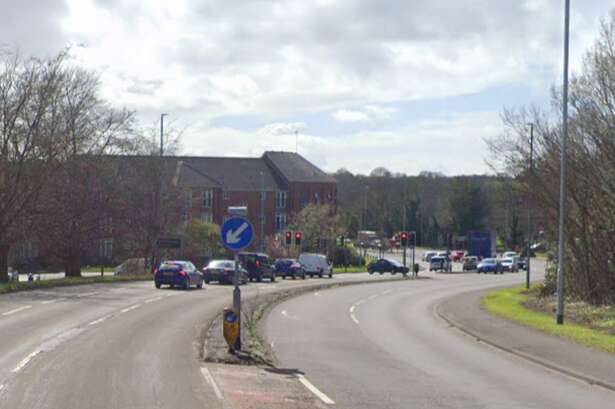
[{"x": 357, "y": 84}]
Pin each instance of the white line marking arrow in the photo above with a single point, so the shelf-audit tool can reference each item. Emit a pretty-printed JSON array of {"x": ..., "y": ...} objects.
[{"x": 232, "y": 237}]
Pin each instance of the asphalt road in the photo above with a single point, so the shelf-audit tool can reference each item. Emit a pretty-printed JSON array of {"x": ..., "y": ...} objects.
[
  {"x": 119, "y": 346},
  {"x": 382, "y": 346}
]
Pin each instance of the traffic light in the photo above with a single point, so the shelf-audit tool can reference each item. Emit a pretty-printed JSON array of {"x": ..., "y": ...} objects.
[
  {"x": 289, "y": 238},
  {"x": 297, "y": 238},
  {"x": 412, "y": 237},
  {"x": 404, "y": 239}
]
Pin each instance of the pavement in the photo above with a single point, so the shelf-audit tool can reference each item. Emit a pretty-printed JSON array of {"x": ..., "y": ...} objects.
[
  {"x": 593, "y": 366},
  {"x": 119, "y": 346},
  {"x": 384, "y": 346}
]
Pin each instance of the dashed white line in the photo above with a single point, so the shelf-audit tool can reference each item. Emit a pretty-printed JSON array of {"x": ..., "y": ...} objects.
[
  {"x": 210, "y": 380},
  {"x": 327, "y": 400},
  {"x": 356, "y": 321},
  {"x": 25, "y": 361},
  {"x": 371, "y": 297},
  {"x": 149, "y": 300},
  {"x": 317, "y": 294},
  {"x": 101, "y": 319},
  {"x": 89, "y": 294},
  {"x": 1, "y": 387},
  {"x": 52, "y": 301},
  {"x": 16, "y": 310},
  {"x": 132, "y": 307},
  {"x": 352, "y": 308}
]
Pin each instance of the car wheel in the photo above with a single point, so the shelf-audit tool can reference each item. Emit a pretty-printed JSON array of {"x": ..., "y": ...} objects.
[
  {"x": 273, "y": 278},
  {"x": 370, "y": 272},
  {"x": 331, "y": 274},
  {"x": 171, "y": 285},
  {"x": 206, "y": 281},
  {"x": 200, "y": 285},
  {"x": 157, "y": 285},
  {"x": 259, "y": 279},
  {"x": 187, "y": 284},
  {"x": 319, "y": 275},
  {"x": 294, "y": 276}
]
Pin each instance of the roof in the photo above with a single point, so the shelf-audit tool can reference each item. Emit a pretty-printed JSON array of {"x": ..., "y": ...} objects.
[
  {"x": 228, "y": 173},
  {"x": 295, "y": 168}
]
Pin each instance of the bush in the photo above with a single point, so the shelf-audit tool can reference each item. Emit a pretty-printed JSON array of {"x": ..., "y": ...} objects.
[{"x": 347, "y": 256}]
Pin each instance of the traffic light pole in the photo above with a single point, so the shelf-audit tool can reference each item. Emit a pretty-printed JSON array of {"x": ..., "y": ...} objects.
[{"x": 237, "y": 303}]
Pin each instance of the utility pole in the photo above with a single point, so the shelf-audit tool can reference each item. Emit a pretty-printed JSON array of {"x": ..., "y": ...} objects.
[
  {"x": 528, "y": 247},
  {"x": 263, "y": 193},
  {"x": 562, "y": 189},
  {"x": 158, "y": 205},
  {"x": 162, "y": 133}
]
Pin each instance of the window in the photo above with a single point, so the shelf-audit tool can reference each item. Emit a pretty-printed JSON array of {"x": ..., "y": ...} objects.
[
  {"x": 263, "y": 196},
  {"x": 280, "y": 221},
  {"x": 188, "y": 198},
  {"x": 207, "y": 217},
  {"x": 208, "y": 196},
  {"x": 226, "y": 195},
  {"x": 280, "y": 199}
]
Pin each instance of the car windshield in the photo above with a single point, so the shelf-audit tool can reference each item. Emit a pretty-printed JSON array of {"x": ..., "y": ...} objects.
[
  {"x": 171, "y": 265},
  {"x": 221, "y": 264},
  {"x": 507, "y": 261},
  {"x": 394, "y": 262},
  {"x": 489, "y": 261}
]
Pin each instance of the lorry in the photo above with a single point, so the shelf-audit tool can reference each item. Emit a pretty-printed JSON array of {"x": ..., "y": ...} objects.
[{"x": 481, "y": 244}]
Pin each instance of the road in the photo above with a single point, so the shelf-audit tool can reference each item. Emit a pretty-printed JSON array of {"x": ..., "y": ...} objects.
[
  {"x": 383, "y": 346},
  {"x": 108, "y": 346}
]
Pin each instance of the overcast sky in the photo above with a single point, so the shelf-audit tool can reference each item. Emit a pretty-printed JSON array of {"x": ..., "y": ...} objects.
[{"x": 409, "y": 85}]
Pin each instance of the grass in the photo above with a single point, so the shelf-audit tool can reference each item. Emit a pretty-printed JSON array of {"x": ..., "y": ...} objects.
[
  {"x": 14, "y": 286},
  {"x": 96, "y": 269},
  {"x": 511, "y": 304}
]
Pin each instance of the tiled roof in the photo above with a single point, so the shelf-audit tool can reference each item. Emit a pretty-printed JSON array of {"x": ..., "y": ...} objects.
[{"x": 295, "y": 168}]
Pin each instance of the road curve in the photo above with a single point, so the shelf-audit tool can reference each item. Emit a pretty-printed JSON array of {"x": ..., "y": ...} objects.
[
  {"x": 107, "y": 346},
  {"x": 383, "y": 346}
]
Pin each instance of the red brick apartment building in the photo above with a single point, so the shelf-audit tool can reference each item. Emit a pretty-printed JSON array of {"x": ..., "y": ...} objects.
[{"x": 278, "y": 184}]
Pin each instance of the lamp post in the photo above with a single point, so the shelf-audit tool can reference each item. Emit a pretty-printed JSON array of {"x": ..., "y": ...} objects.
[
  {"x": 528, "y": 247},
  {"x": 562, "y": 191}
]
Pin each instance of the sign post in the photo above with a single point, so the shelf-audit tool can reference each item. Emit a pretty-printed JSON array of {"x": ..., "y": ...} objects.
[{"x": 236, "y": 234}]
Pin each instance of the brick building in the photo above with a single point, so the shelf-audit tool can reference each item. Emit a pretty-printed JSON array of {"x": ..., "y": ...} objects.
[{"x": 277, "y": 185}]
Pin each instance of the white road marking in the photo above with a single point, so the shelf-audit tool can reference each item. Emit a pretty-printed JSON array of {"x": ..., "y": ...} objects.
[
  {"x": 89, "y": 294},
  {"x": 327, "y": 400},
  {"x": 101, "y": 319},
  {"x": 132, "y": 307},
  {"x": 371, "y": 297},
  {"x": 149, "y": 300},
  {"x": 356, "y": 321},
  {"x": 210, "y": 380},
  {"x": 317, "y": 294},
  {"x": 1, "y": 387},
  {"x": 272, "y": 343},
  {"x": 352, "y": 308},
  {"x": 385, "y": 292},
  {"x": 25, "y": 361},
  {"x": 16, "y": 310},
  {"x": 52, "y": 301}
]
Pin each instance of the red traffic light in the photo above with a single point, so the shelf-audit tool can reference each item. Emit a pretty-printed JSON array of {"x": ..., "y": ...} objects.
[
  {"x": 289, "y": 238},
  {"x": 404, "y": 238},
  {"x": 297, "y": 238}
]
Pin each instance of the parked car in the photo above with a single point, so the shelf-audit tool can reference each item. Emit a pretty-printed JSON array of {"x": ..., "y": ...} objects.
[
  {"x": 489, "y": 265},
  {"x": 428, "y": 255},
  {"x": 522, "y": 263},
  {"x": 288, "y": 267},
  {"x": 509, "y": 264},
  {"x": 315, "y": 264},
  {"x": 457, "y": 255},
  {"x": 223, "y": 271},
  {"x": 510, "y": 254},
  {"x": 178, "y": 273},
  {"x": 439, "y": 263},
  {"x": 386, "y": 265},
  {"x": 470, "y": 263},
  {"x": 443, "y": 254},
  {"x": 257, "y": 265}
]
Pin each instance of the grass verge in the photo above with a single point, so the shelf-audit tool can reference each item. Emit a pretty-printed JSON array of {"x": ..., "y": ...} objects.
[
  {"x": 14, "y": 286},
  {"x": 511, "y": 303},
  {"x": 349, "y": 269}
]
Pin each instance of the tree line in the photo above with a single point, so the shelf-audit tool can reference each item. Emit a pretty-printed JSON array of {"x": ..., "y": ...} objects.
[
  {"x": 590, "y": 176},
  {"x": 64, "y": 187}
]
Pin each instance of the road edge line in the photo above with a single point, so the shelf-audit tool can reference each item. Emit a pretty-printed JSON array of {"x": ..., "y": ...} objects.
[
  {"x": 319, "y": 394},
  {"x": 528, "y": 357},
  {"x": 212, "y": 382}
]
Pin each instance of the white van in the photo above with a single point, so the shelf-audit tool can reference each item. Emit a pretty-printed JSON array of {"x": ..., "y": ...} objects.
[{"x": 315, "y": 264}]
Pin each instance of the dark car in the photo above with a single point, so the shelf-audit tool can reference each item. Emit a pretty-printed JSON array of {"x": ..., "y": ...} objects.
[
  {"x": 522, "y": 263},
  {"x": 178, "y": 273},
  {"x": 223, "y": 271},
  {"x": 257, "y": 265},
  {"x": 287, "y": 267},
  {"x": 386, "y": 265},
  {"x": 490, "y": 265},
  {"x": 470, "y": 263}
]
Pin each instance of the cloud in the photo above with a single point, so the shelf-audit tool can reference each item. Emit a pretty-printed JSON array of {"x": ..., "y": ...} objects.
[
  {"x": 452, "y": 144},
  {"x": 344, "y": 115},
  {"x": 369, "y": 113}
]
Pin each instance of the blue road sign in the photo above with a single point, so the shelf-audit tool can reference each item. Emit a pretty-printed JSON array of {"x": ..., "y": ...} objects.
[{"x": 236, "y": 233}]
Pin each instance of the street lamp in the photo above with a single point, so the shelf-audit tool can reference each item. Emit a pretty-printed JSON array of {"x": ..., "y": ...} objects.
[
  {"x": 562, "y": 193},
  {"x": 162, "y": 132},
  {"x": 528, "y": 247}
]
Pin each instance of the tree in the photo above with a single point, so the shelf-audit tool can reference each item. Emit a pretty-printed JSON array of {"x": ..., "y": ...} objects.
[
  {"x": 32, "y": 132},
  {"x": 467, "y": 206},
  {"x": 201, "y": 239},
  {"x": 590, "y": 182},
  {"x": 319, "y": 226}
]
